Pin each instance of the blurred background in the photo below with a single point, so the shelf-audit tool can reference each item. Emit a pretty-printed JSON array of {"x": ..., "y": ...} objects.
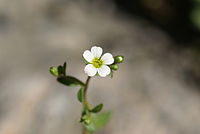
[{"x": 155, "y": 91}]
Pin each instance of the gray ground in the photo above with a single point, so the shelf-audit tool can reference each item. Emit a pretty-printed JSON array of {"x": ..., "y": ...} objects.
[{"x": 148, "y": 95}]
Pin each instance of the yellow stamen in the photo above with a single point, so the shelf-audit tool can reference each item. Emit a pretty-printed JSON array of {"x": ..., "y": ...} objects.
[{"x": 97, "y": 63}]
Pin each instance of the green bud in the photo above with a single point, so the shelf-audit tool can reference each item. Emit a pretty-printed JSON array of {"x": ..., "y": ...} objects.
[
  {"x": 86, "y": 119},
  {"x": 118, "y": 59},
  {"x": 80, "y": 94},
  {"x": 114, "y": 67},
  {"x": 54, "y": 71}
]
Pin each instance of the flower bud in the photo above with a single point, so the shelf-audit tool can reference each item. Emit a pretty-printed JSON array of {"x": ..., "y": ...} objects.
[
  {"x": 54, "y": 71},
  {"x": 118, "y": 59},
  {"x": 86, "y": 119},
  {"x": 114, "y": 67}
]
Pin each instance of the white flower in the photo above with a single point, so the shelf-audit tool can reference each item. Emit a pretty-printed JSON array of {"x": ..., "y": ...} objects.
[{"x": 97, "y": 63}]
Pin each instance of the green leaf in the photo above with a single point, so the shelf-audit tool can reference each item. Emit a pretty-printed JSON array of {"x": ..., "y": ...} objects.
[
  {"x": 54, "y": 71},
  {"x": 97, "y": 108},
  {"x": 97, "y": 121},
  {"x": 64, "y": 68},
  {"x": 80, "y": 94},
  {"x": 60, "y": 70},
  {"x": 101, "y": 119},
  {"x": 70, "y": 81}
]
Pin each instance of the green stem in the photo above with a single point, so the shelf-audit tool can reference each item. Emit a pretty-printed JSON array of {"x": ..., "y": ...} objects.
[
  {"x": 85, "y": 131},
  {"x": 85, "y": 103}
]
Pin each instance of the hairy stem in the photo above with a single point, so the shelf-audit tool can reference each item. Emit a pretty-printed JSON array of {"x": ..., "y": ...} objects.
[
  {"x": 85, "y": 131},
  {"x": 85, "y": 103}
]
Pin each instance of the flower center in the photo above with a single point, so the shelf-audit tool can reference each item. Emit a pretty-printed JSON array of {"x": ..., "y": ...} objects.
[{"x": 97, "y": 63}]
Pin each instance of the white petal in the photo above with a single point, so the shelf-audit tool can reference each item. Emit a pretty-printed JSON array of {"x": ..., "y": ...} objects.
[
  {"x": 107, "y": 59},
  {"x": 103, "y": 70},
  {"x": 96, "y": 51},
  {"x": 90, "y": 70},
  {"x": 88, "y": 56}
]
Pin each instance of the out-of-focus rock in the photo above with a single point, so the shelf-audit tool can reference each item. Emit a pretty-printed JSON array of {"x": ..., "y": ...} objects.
[{"x": 148, "y": 94}]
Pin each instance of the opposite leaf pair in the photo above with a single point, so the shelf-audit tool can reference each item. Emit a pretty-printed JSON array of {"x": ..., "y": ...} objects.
[
  {"x": 96, "y": 64},
  {"x": 89, "y": 118}
]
